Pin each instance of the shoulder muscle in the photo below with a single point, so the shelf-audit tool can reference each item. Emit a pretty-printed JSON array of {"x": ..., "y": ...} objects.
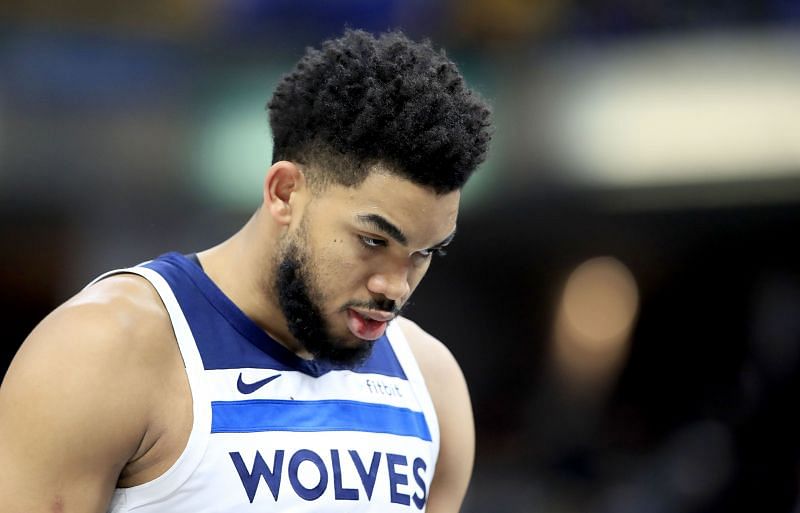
[{"x": 72, "y": 411}]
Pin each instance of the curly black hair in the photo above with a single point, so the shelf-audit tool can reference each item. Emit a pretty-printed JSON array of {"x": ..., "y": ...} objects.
[{"x": 362, "y": 100}]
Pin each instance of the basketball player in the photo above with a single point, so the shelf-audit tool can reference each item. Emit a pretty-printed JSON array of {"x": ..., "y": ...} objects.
[{"x": 273, "y": 373}]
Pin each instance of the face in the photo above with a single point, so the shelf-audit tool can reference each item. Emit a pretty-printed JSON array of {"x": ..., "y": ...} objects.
[{"x": 355, "y": 259}]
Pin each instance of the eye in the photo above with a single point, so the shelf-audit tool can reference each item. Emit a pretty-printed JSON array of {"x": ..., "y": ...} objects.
[
  {"x": 371, "y": 242},
  {"x": 433, "y": 251}
]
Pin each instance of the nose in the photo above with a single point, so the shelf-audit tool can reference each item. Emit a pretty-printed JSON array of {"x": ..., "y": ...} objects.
[{"x": 392, "y": 285}]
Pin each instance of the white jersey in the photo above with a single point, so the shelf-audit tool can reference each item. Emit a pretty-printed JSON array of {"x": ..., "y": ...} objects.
[{"x": 272, "y": 432}]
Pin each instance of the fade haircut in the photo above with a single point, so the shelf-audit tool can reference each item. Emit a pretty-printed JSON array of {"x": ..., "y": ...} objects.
[{"x": 363, "y": 101}]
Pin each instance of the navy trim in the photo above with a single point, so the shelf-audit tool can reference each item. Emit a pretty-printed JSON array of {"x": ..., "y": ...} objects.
[
  {"x": 194, "y": 259},
  {"x": 258, "y": 415},
  {"x": 211, "y": 315}
]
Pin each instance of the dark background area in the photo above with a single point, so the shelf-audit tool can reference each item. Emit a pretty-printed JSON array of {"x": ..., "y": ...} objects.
[{"x": 134, "y": 129}]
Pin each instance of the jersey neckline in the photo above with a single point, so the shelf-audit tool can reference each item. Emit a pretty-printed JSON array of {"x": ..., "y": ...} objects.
[{"x": 242, "y": 323}]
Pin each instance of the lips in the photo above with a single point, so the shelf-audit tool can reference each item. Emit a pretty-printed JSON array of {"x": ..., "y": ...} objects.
[
  {"x": 367, "y": 324},
  {"x": 375, "y": 315}
]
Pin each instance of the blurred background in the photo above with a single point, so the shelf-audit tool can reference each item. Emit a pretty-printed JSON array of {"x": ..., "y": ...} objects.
[{"x": 624, "y": 292}]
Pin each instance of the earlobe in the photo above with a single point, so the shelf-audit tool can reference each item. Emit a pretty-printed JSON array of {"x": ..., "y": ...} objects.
[{"x": 283, "y": 180}]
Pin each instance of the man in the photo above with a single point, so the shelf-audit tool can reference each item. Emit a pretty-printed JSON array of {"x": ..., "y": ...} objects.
[{"x": 273, "y": 372}]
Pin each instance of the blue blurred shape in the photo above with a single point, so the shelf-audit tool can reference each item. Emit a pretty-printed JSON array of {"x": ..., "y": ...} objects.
[
  {"x": 312, "y": 20},
  {"x": 87, "y": 72}
]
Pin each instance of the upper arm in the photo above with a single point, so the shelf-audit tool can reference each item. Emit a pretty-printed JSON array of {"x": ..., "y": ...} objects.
[
  {"x": 70, "y": 413},
  {"x": 450, "y": 396}
]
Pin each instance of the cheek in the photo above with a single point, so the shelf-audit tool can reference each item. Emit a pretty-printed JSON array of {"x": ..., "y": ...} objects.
[{"x": 339, "y": 265}]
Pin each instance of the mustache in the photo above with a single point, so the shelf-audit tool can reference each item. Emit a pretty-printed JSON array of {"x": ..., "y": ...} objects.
[{"x": 386, "y": 305}]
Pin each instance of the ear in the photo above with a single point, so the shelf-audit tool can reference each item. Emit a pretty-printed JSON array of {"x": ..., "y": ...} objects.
[{"x": 284, "y": 182}]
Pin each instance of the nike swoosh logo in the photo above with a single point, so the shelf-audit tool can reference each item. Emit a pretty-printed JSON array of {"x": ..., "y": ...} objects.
[{"x": 249, "y": 388}]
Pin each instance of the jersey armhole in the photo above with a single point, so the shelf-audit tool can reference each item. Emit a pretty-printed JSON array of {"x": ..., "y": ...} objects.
[{"x": 126, "y": 499}]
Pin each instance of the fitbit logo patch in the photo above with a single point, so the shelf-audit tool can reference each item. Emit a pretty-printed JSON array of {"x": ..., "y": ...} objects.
[{"x": 328, "y": 475}]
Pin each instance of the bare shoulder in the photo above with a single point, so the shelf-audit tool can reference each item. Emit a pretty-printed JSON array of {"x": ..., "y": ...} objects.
[
  {"x": 74, "y": 403},
  {"x": 443, "y": 376},
  {"x": 117, "y": 322},
  {"x": 450, "y": 396}
]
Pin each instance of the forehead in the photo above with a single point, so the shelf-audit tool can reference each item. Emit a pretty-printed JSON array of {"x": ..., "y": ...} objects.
[{"x": 415, "y": 209}]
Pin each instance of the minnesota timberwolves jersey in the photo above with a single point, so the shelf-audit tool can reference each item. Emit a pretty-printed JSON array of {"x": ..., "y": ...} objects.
[{"x": 273, "y": 432}]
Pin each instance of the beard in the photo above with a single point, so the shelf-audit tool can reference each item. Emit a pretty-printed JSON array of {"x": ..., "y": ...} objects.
[{"x": 299, "y": 300}]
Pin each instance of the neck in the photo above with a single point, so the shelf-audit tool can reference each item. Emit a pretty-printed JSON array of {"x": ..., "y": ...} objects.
[{"x": 242, "y": 267}]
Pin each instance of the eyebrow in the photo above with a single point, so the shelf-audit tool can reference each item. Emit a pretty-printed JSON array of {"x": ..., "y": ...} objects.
[{"x": 381, "y": 223}]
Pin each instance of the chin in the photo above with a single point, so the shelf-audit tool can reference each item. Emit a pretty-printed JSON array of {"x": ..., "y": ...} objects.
[
  {"x": 350, "y": 352},
  {"x": 350, "y": 341}
]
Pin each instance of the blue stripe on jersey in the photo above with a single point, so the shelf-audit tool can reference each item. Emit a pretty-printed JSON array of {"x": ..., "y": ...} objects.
[
  {"x": 327, "y": 415},
  {"x": 211, "y": 314}
]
